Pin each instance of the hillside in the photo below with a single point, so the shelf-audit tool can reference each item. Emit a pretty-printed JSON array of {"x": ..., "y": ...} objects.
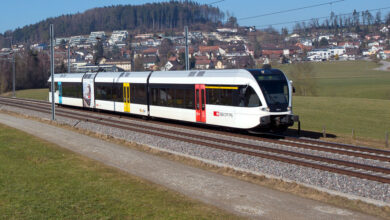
[{"x": 138, "y": 18}]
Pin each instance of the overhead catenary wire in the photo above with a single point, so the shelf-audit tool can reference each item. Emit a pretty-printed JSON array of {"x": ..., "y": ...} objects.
[
  {"x": 290, "y": 10},
  {"x": 323, "y": 17},
  {"x": 216, "y": 2}
]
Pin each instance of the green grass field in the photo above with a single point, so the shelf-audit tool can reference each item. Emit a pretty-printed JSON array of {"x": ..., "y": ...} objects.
[
  {"x": 355, "y": 79},
  {"x": 39, "y": 180},
  {"x": 39, "y": 94},
  {"x": 370, "y": 118}
]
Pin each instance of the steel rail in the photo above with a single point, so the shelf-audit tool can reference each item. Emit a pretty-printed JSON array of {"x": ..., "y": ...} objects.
[{"x": 268, "y": 156}]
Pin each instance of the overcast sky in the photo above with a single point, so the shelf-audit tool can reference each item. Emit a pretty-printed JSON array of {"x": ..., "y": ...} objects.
[{"x": 18, "y": 13}]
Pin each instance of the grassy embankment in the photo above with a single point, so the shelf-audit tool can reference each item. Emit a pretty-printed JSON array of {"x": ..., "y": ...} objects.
[
  {"x": 350, "y": 95},
  {"x": 39, "y": 94},
  {"x": 38, "y": 180}
]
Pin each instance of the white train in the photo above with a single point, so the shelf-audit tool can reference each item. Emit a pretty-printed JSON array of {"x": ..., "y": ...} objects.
[{"x": 243, "y": 99}]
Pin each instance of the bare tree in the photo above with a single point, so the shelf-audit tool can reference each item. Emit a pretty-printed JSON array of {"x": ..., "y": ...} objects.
[{"x": 304, "y": 78}]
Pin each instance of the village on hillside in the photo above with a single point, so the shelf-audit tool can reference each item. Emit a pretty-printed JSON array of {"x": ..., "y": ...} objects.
[{"x": 225, "y": 48}]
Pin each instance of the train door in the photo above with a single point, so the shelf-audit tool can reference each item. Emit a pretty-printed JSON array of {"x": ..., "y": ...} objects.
[
  {"x": 200, "y": 103},
  {"x": 88, "y": 90},
  {"x": 126, "y": 97},
  {"x": 59, "y": 93}
]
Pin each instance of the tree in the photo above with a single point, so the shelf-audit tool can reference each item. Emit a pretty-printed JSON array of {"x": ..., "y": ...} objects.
[
  {"x": 378, "y": 18},
  {"x": 99, "y": 52},
  {"x": 232, "y": 22},
  {"x": 324, "y": 42},
  {"x": 304, "y": 79},
  {"x": 138, "y": 64}
]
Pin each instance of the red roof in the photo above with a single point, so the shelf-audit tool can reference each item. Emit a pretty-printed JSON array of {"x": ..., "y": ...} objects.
[
  {"x": 204, "y": 49},
  {"x": 150, "y": 50},
  {"x": 202, "y": 62}
]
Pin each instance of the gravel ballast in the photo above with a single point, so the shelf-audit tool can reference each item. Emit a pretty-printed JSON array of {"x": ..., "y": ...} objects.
[{"x": 371, "y": 190}]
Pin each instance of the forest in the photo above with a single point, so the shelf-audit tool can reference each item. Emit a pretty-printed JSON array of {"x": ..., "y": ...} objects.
[{"x": 136, "y": 18}]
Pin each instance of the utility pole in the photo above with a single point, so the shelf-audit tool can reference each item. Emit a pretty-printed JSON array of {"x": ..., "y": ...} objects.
[
  {"x": 13, "y": 70},
  {"x": 68, "y": 57},
  {"x": 13, "y": 75},
  {"x": 52, "y": 71},
  {"x": 187, "y": 61}
]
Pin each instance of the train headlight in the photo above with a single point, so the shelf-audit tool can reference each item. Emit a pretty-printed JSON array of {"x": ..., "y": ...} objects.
[
  {"x": 289, "y": 108},
  {"x": 265, "y": 109}
]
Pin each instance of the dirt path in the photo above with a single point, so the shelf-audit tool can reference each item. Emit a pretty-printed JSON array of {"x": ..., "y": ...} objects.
[{"x": 230, "y": 194}]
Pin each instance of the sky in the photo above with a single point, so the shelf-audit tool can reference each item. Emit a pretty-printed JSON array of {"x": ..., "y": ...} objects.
[{"x": 18, "y": 13}]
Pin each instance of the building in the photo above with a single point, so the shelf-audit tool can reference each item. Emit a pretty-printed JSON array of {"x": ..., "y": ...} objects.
[
  {"x": 118, "y": 37},
  {"x": 325, "y": 53},
  {"x": 94, "y": 37},
  {"x": 122, "y": 64}
]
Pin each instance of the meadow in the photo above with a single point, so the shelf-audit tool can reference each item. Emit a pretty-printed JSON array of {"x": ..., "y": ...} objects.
[
  {"x": 39, "y": 180},
  {"x": 350, "y": 95}
]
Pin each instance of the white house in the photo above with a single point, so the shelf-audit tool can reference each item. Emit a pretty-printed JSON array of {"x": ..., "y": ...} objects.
[{"x": 325, "y": 54}]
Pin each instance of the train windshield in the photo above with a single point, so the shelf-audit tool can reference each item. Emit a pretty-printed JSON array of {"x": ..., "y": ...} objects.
[{"x": 274, "y": 86}]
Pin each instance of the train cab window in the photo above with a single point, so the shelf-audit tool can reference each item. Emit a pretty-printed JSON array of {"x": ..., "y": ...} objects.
[{"x": 251, "y": 99}]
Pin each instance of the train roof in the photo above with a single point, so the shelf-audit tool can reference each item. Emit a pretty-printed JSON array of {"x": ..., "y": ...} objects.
[
  {"x": 119, "y": 77},
  {"x": 227, "y": 77},
  {"x": 67, "y": 77},
  {"x": 236, "y": 76}
]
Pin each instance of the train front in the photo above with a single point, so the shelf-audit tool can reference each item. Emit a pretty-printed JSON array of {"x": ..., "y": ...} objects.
[{"x": 276, "y": 112}]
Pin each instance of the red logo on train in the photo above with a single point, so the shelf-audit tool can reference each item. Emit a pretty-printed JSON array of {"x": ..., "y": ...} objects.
[{"x": 216, "y": 114}]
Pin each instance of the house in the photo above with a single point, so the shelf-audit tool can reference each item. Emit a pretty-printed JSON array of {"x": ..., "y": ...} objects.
[
  {"x": 209, "y": 51},
  {"x": 123, "y": 64},
  {"x": 325, "y": 53},
  {"x": 94, "y": 37},
  {"x": 172, "y": 65},
  {"x": 150, "y": 52},
  {"x": 118, "y": 37},
  {"x": 272, "y": 51},
  {"x": 89, "y": 57},
  {"x": 149, "y": 62},
  {"x": 203, "y": 64},
  {"x": 384, "y": 30},
  {"x": 227, "y": 30}
]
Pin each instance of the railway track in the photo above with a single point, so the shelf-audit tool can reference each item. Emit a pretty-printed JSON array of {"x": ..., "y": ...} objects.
[{"x": 345, "y": 167}]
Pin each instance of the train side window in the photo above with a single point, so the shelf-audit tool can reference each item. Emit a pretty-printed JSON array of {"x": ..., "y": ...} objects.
[
  {"x": 138, "y": 93},
  {"x": 190, "y": 98},
  {"x": 103, "y": 91},
  {"x": 179, "y": 98},
  {"x": 73, "y": 90},
  {"x": 226, "y": 97},
  {"x": 214, "y": 96},
  {"x": 170, "y": 96},
  {"x": 251, "y": 98},
  {"x": 117, "y": 92},
  {"x": 163, "y": 97}
]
